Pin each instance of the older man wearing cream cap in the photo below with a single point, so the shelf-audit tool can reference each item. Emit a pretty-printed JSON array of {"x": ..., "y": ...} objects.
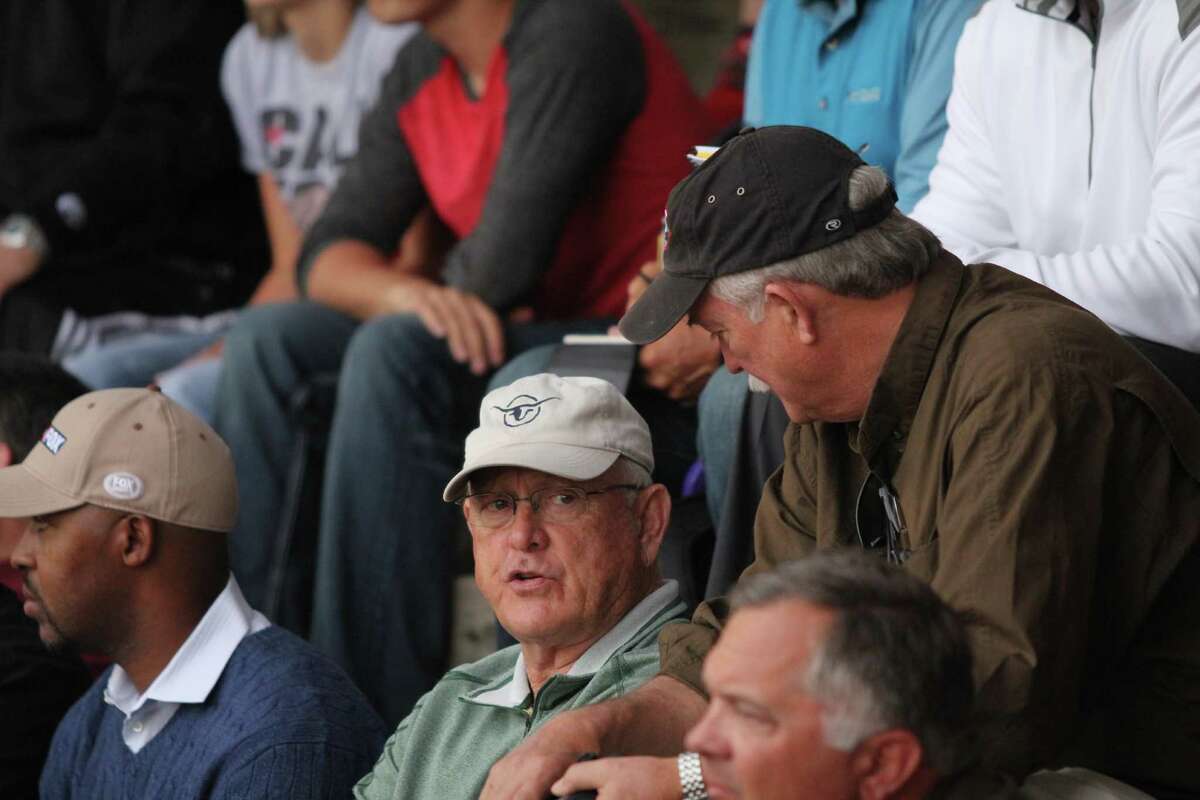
[
  {"x": 129, "y": 498},
  {"x": 565, "y": 526}
]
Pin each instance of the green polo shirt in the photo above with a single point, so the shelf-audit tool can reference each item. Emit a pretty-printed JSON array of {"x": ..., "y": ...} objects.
[{"x": 478, "y": 712}]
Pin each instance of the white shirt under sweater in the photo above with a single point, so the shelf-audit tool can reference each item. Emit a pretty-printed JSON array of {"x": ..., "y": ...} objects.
[
  {"x": 298, "y": 119},
  {"x": 1116, "y": 229},
  {"x": 192, "y": 672}
]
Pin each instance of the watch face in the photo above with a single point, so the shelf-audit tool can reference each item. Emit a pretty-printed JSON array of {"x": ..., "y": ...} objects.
[
  {"x": 14, "y": 235},
  {"x": 18, "y": 231}
]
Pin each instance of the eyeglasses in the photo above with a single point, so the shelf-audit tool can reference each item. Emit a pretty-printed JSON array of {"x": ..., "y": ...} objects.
[
  {"x": 886, "y": 530},
  {"x": 556, "y": 504}
]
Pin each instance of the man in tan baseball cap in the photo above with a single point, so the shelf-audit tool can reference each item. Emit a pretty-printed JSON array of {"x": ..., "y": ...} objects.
[
  {"x": 565, "y": 529},
  {"x": 129, "y": 498}
]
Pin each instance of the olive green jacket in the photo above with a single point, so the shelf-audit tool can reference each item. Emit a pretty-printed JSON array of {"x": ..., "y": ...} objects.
[{"x": 1049, "y": 479}]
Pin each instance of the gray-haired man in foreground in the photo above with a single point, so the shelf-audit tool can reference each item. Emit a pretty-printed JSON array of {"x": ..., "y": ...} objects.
[{"x": 839, "y": 676}]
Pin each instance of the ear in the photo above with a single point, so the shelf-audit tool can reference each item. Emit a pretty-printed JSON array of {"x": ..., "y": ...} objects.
[
  {"x": 795, "y": 308},
  {"x": 137, "y": 537},
  {"x": 6, "y": 455},
  {"x": 885, "y": 763},
  {"x": 653, "y": 512}
]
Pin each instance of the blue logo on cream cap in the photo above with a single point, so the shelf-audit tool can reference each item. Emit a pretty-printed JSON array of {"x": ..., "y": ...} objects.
[{"x": 574, "y": 428}]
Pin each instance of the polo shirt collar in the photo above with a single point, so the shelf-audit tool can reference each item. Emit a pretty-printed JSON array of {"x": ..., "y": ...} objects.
[
  {"x": 514, "y": 691},
  {"x": 834, "y": 13},
  {"x": 897, "y": 393},
  {"x": 197, "y": 665}
]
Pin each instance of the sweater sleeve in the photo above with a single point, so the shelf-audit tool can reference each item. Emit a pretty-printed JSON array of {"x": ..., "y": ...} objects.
[
  {"x": 576, "y": 79},
  {"x": 380, "y": 783},
  {"x": 292, "y": 770},
  {"x": 380, "y": 191}
]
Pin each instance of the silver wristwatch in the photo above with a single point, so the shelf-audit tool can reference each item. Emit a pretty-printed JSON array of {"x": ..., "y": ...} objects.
[
  {"x": 20, "y": 231},
  {"x": 691, "y": 779}
]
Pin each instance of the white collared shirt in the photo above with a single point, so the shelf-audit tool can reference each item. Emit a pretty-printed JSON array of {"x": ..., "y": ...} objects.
[
  {"x": 516, "y": 691},
  {"x": 192, "y": 672}
]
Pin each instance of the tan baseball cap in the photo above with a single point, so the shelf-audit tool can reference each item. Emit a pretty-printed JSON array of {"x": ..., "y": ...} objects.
[
  {"x": 132, "y": 450},
  {"x": 571, "y": 427}
]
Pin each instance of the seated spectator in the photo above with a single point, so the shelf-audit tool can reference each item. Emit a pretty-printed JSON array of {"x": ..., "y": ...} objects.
[
  {"x": 546, "y": 135},
  {"x": 573, "y": 576},
  {"x": 120, "y": 188},
  {"x": 876, "y": 76},
  {"x": 1073, "y": 159},
  {"x": 838, "y": 676},
  {"x": 297, "y": 80},
  {"x": 37, "y": 686},
  {"x": 993, "y": 438},
  {"x": 129, "y": 497}
]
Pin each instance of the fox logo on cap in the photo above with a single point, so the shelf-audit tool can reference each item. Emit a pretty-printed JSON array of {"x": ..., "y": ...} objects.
[{"x": 522, "y": 410}]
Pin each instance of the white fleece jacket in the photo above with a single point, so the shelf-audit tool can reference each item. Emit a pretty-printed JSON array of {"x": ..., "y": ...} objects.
[{"x": 1077, "y": 164}]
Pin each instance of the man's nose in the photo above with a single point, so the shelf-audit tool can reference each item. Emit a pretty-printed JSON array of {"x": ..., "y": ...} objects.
[
  {"x": 731, "y": 362},
  {"x": 525, "y": 530},
  {"x": 22, "y": 554},
  {"x": 705, "y": 737}
]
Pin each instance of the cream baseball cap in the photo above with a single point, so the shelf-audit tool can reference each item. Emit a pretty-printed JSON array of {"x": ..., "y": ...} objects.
[
  {"x": 571, "y": 427},
  {"x": 132, "y": 450}
]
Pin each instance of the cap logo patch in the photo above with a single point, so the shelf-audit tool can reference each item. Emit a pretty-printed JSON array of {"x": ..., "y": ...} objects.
[
  {"x": 53, "y": 439},
  {"x": 833, "y": 225},
  {"x": 522, "y": 410},
  {"x": 123, "y": 485}
]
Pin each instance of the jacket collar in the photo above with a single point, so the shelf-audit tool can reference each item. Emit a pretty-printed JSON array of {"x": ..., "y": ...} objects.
[
  {"x": 901, "y": 382},
  {"x": 513, "y": 691}
]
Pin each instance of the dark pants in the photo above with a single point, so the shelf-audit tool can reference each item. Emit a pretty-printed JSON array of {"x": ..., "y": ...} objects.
[
  {"x": 28, "y": 322},
  {"x": 385, "y": 549}
]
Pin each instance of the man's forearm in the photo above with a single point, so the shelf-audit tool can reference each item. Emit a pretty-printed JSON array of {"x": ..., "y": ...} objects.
[
  {"x": 352, "y": 277},
  {"x": 652, "y": 720}
]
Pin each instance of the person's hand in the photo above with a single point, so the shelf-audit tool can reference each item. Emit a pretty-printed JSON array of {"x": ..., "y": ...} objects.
[
  {"x": 627, "y": 778},
  {"x": 529, "y": 769},
  {"x": 639, "y": 282},
  {"x": 471, "y": 327},
  {"x": 17, "y": 265},
  {"x": 680, "y": 363}
]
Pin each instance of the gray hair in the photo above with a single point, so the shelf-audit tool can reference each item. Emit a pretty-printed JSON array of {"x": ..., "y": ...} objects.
[
  {"x": 896, "y": 656},
  {"x": 873, "y": 263}
]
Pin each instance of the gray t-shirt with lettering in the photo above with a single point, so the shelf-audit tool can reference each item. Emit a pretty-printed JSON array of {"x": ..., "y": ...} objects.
[{"x": 298, "y": 119}]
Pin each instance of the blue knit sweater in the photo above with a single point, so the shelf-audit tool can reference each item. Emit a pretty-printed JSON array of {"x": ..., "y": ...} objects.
[{"x": 282, "y": 722}]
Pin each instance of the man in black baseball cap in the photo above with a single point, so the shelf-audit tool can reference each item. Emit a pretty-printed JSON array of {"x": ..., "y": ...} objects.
[
  {"x": 993, "y": 438},
  {"x": 766, "y": 196}
]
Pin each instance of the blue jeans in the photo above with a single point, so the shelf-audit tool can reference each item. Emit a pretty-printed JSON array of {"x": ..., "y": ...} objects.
[
  {"x": 138, "y": 360},
  {"x": 385, "y": 544},
  {"x": 721, "y": 405}
]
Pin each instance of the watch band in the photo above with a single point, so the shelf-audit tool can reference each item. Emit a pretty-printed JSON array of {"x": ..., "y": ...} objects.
[{"x": 691, "y": 779}]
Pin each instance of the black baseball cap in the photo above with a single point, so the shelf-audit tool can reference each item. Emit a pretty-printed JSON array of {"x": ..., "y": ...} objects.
[{"x": 767, "y": 195}]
